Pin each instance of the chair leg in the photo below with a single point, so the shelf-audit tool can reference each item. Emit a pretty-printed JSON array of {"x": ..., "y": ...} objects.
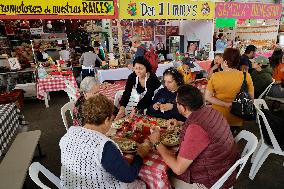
[
  {"x": 46, "y": 100},
  {"x": 259, "y": 163},
  {"x": 263, "y": 147},
  {"x": 256, "y": 150}
]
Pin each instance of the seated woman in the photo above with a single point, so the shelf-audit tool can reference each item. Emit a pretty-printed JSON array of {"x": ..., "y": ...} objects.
[
  {"x": 164, "y": 103},
  {"x": 216, "y": 64},
  {"x": 89, "y": 159},
  {"x": 89, "y": 87},
  {"x": 140, "y": 86}
]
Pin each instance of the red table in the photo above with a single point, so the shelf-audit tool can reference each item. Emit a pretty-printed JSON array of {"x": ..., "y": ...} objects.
[
  {"x": 53, "y": 83},
  {"x": 154, "y": 170},
  {"x": 110, "y": 90},
  {"x": 205, "y": 64}
]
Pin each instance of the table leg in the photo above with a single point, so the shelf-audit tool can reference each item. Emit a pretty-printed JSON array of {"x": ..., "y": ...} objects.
[{"x": 46, "y": 99}]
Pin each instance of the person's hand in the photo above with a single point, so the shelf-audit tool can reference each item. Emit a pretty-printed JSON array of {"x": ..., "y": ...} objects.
[
  {"x": 156, "y": 106},
  {"x": 143, "y": 149},
  {"x": 121, "y": 113},
  {"x": 155, "y": 136},
  {"x": 132, "y": 114},
  {"x": 216, "y": 66},
  {"x": 166, "y": 107},
  {"x": 282, "y": 70}
]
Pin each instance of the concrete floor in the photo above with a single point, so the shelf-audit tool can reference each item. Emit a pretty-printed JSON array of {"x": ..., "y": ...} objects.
[{"x": 48, "y": 120}]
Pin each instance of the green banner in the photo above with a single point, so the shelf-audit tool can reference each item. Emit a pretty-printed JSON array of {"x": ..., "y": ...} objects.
[{"x": 225, "y": 22}]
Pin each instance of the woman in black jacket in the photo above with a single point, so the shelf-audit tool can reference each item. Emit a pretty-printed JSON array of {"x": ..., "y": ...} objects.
[{"x": 142, "y": 81}]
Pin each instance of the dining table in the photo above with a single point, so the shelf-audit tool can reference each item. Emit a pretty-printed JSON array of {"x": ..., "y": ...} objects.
[
  {"x": 9, "y": 124},
  {"x": 154, "y": 171}
]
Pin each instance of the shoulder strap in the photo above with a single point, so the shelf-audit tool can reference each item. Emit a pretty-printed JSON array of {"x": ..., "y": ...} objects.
[{"x": 244, "y": 86}]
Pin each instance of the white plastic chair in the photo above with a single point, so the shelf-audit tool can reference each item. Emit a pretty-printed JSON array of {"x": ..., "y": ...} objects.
[
  {"x": 69, "y": 106},
  {"x": 264, "y": 149},
  {"x": 34, "y": 170},
  {"x": 71, "y": 91},
  {"x": 266, "y": 91},
  {"x": 117, "y": 98},
  {"x": 281, "y": 100},
  {"x": 247, "y": 152}
]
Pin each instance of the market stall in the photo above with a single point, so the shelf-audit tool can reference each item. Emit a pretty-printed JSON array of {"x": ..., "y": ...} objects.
[{"x": 249, "y": 23}]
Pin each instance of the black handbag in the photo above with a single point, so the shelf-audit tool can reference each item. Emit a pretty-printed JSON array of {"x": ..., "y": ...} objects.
[{"x": 243, "y": 106}]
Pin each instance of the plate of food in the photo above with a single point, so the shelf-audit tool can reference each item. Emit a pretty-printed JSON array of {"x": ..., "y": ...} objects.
[
  {"x": 126, "y": 145},
  {"x": 117, "y": 124},
  {"x": 162, "y": 122},
  {"x": 170, "y": 138}
]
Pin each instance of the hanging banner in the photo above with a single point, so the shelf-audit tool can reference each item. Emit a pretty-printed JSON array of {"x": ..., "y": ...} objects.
[
  {"x": 171, "y": 9},
  {"x": 248, "y": 10},
  {"x": 50, "y": 9}
]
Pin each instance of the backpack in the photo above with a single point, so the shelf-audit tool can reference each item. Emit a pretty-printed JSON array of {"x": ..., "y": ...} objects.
[
  {"x": 152, "y": 57},
  {"x": 243, "y": 106}
]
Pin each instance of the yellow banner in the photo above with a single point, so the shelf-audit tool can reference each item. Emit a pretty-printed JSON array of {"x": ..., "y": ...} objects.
[
  {"x": 58, "y": 7},
  {"x": 171, "y": 9}
]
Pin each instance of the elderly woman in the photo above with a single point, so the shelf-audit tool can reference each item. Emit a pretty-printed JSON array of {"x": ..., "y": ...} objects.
[
  {"x": 90, "y": 159},
  {"x": 140, "y": 87},
  {"x": 164, "y": 103},
  {"x": 89, "y": 87},
  {"x": 223, "y": 87}
]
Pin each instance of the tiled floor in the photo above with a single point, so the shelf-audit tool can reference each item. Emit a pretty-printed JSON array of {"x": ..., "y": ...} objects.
[{"x": 270, "y": 176}]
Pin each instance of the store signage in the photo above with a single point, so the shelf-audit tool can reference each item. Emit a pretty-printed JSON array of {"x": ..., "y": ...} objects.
[
  {"x": 50, "y": 9},
  {"x": 248, "y": 10},
  {"x": 171, "y": 9}
]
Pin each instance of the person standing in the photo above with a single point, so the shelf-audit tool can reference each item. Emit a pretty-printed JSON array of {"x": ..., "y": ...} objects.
[
  {"x": 221, "y": 43},
  {"x": 223, "y": 87},
  {"x": 136, "y": 43},
  {"x": 245, "y": 63},
  {"x": 88, "y": 61}
]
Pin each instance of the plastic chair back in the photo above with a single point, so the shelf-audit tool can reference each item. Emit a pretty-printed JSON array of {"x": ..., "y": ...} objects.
[
  {"x": 266, "y": 91},
  {"x": 69, "y": 106},
  {"x": 247, "y": 152},
  {"x": 34, "y": 170},
  {"x": 259, "y": 103}
]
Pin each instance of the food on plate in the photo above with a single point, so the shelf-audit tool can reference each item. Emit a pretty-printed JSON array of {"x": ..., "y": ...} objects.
[
  {"x": 117, "y": 124},
  {"x": 126, "y": 145},
  {"x": 162, "y": 123},
  {"x": 170, "y": 138}
]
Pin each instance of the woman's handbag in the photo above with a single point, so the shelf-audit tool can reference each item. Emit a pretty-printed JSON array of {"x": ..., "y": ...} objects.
[{"x": 243, "y": 106}]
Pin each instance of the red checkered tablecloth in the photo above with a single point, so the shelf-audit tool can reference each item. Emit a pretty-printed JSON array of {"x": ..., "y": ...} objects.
[
  {"x": 54, "y": 83},
  {"x": 110, "y": 90},
  {"x": 154, "y": 172}
]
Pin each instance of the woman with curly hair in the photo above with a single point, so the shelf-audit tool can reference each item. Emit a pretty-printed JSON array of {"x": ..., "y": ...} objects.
[{"x": 89, "y": 159}]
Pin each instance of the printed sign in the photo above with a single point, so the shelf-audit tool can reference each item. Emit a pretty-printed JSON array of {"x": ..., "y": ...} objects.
[
  {"x": 50, "y": 9},
  {"x": 248, "y": 10},
  {"x": 173, "y": 9}
]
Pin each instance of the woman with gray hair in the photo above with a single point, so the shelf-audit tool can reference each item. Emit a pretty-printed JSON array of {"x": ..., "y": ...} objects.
[{"x": 89, "y": 87}]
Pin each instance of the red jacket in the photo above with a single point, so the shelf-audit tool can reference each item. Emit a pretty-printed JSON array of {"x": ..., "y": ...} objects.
[{"x": 220, "y": 154}]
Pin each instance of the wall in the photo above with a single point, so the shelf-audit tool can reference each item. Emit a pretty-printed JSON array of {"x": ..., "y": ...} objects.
[{"x": 201, "y": 29}]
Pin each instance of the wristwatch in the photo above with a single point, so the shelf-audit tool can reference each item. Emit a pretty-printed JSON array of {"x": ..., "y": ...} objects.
[{"x": 157, "y": 144}]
